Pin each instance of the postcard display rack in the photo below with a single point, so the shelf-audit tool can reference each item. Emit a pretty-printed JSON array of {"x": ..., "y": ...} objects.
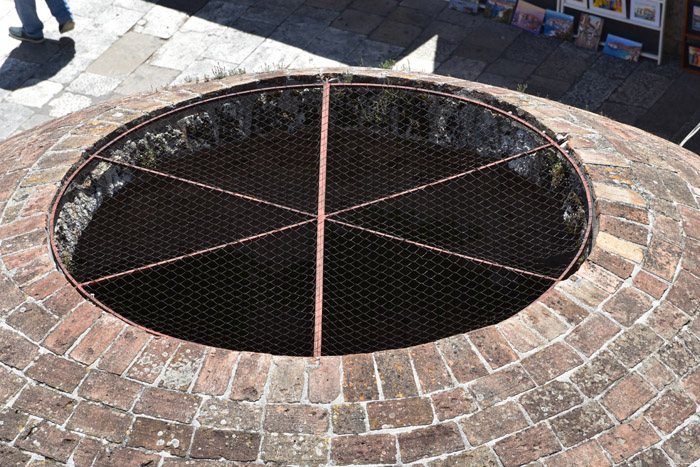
[
  {"x": 647, "y": 29},
  {"x": 691, "y": 36}
]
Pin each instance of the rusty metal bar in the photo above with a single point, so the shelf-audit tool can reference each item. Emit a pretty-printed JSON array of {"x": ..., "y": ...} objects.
[
  {"x": 443, "y": 180},
  {"x": 194, "y": 254},
  {"x": 441, "y": 250},
  {"x": 202, "y": 185},
  {"x": 320, "y": 225}
]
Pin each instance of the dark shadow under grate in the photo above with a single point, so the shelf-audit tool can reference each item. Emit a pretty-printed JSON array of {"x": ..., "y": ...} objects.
[{"x": 335, "y": 219}]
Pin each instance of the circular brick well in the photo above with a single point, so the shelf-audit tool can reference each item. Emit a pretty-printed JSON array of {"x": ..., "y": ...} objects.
[{"x": 603, "y": 369}]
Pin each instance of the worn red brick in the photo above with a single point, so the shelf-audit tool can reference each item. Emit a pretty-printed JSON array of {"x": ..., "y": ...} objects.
[
  {"x": 666, "y": 320},
  {"x": 10, "y": 295},
  {"x": 209, "y": 443},
  {"x": 656, "y": 373},
  {"x": 100, "y": 422},
  {"x": 581, "y": 423},
  {"x": 627, "y": 306},
  {"x": 453, "y": 403},
  {"x": 413, "y": 411},
  {"x": 84, "y": 455},
  {"x": 15, "y": 350},
  {"x": 649, "y": 284},
  {"x": 684, "y": 446},
  {"x": 493, "y": 423},
  {"x": 458, "y": 354},
  {"x": 429, "y": 442},
  {"x": 492, "y": 346},
  {"x": 685, "y": 292},
  {"x": 359, "y": 382},
  {"x": 395, "y": 374},
  {"x": 584, "y": 291},
  {"x": 599, "y": 276},
  {"x": 110, "y": 389},
  {"x": 543, "y": 321},
  {"x": 23, "y": 258},
  {"x": 677, "y": 358},
  {"x": 296, "y": 419},
  {"x": 668, "y": 228},
  {"x": 627, "y": 396},
  {"x": 251, "y": 375},
  {"x": 152, "y": 360},
  {"x": 216, "y": 372},
  {"x": 628, "y": 439},
  {"x": 592, "y": 334},
  {"x": 588, "y": 454},
  {"x": 367, "y": 449},
  {"x": 97, "y": 339},
  {"x": 40, "y": 200},
  {"x": 635, "y": 345},
  {"x": 171, "y": 405},
  {"x": 157, "y": 435},
  {"x": 324, "y": 380},
  {"x": 620, "y": 210},
  {"x": 13, "y": 456},
  {"x": 32, "y": 320},
  {"x": 71, "y": 328},
  {"x": 670, "y": 410},
  {"x": 282, "y": 448},
  {"x": 691, "y": 222},
  {"x": 10, "y": 384},
  {"x": 57, "y": 372},
  {"x": 479, "y": 457},
  {"x": 501, "y": 385},
  {"x": 613, "y": 263},
  {"x": 564, "y": 307},
  {"x": 183, "y": 367},
  {"x": 286, "y": 379},
  {"x": 232, "y": 415},
  {"x": 549, "y": 400},
  {"x": 662, "y": 258},
  {"x": 629, "y": 231},
  {"x": 23, "y": 226},
  {"x": 45, "y": 403},
  {"x": 527, "y": 446},
  {"x": 33, "y": 271},
  {"x": 348, "y": 419},
  {"x": 519, "y": 335},
  {"x": 551, "y": 362},
  {"x": 123, "y": 350},
  {"x": 691, "y": 383},
  {"x": 47, "y": 440},
  {"x": 691, "y": 256},
  {"x": 63, "y": 301},
  {"x": 125, "y": 456},
  {"x": 45, "y": 286}
]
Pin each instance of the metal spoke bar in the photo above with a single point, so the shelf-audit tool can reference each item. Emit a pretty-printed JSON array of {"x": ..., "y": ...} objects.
[
  {"x": 202, "y": 185},
  {"x": 437, "y": 182},
  {"x": 441, "y": 250},
  {"x": 194, "y": 254},
  {"x": 320, "y": 225}
]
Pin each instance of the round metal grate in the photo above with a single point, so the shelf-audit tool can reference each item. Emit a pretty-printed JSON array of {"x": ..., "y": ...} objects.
[{"x": 335, "y": 219}]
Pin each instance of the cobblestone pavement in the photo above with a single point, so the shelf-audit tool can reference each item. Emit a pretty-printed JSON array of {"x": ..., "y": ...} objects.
[{"x": 121, "y": 47}]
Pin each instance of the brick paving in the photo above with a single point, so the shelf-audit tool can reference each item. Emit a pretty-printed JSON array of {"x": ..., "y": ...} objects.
[
  {"x": 604, "y": 369},
  {"x": 121, "y": 47}
]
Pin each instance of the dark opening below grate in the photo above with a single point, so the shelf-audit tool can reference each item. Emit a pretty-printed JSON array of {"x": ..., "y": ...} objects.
[{"x": 336, "y": 219}]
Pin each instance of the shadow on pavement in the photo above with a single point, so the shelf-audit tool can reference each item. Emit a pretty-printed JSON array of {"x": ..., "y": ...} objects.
[{"x": 29, "y": 63}]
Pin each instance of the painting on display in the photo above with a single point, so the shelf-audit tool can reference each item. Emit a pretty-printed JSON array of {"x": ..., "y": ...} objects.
[
  {"x": 467, "y": 6},
  {"x": 612, "y": 8},
  {"x": 500, "y": 10},
  {"x": 622, "y": 48},
  {"x": 528, "y": 17},
  {"x": 646, "y": 12},
  {"x": 589, "y": 30},
  {"x": 695, "y": 19},
  {"x": 558, "y": 25}
]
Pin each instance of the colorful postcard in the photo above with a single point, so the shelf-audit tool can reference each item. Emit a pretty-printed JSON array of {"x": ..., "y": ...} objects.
[
  {"x": 468, "y": 6},
  {"x": 694, "y": 56},
  {"x": 647, "y": 12},
  {"x": 622, "y": 48},
  {"x": 589, "y": 30},
  {"x": 558, "y": 25},
  {"x": 528, "y": 17},
  {"x": 696, "y": 18},
  {"x": 500, "y": 10},
  {"x": 610, "y": 7}
]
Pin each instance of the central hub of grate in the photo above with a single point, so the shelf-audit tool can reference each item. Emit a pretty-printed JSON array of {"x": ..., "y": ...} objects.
[{"x": 334, "y": 219}]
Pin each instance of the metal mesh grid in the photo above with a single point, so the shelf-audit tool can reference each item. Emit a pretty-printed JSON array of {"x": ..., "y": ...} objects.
[{"x": 347, "y": 218}]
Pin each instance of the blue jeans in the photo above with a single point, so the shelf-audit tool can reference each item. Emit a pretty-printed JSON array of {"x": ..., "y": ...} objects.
[{"x": 31, "y": 24}]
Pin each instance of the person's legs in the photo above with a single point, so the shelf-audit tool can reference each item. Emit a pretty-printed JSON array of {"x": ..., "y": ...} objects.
[
  {"x": 60, "y": 10},
  {"x": 31, "y": 24}
]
